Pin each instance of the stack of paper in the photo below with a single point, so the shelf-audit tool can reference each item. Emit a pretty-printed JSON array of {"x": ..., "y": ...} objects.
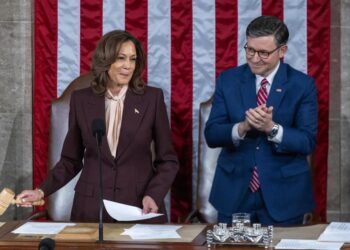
[
  {"x": 146, "y": 232},
  {"x": 123, "y": 212},
  {"x": 41, "y": 228},
  {"x": 307, "y": 244},
  {"x": 336, "y": 232},
  {"x": 332, "y": 238}
]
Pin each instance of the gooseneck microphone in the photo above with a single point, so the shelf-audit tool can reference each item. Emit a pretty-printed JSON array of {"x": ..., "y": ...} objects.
[
  {"x": 98, "y": 131},
  {"x": 47, "y": 244}
]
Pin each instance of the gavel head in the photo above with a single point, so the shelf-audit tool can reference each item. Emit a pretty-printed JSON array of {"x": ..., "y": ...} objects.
[{"x": 6, "y": 198}]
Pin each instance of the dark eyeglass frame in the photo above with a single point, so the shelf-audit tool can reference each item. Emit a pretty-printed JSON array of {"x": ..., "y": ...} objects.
[{"x": 261, "y": 53}]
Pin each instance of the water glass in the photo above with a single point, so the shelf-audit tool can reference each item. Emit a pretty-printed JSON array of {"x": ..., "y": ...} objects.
[{"x": 241, "y": 218}]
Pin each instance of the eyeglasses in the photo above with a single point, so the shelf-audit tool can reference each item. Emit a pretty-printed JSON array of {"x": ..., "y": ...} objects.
[{"x": 261, "y": 53}]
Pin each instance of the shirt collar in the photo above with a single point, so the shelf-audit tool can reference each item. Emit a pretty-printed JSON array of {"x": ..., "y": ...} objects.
[
  {"x": 270, "y": 77},
  {"x": 119, "y": 96}
]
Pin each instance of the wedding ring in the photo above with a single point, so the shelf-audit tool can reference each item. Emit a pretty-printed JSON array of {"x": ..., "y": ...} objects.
[{"x": 22, "y": 200}]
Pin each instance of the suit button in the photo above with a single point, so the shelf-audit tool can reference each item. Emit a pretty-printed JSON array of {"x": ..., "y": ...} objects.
[{"x": 257, "y": 148}]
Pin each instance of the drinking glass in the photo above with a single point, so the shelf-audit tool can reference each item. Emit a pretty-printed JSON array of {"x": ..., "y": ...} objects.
[{"x": 241, "y": 218}]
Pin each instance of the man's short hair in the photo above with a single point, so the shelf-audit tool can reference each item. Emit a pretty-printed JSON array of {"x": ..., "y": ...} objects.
[{"x": 268, "y": 25}]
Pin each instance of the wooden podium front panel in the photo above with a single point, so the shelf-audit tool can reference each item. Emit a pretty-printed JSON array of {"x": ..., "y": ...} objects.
[
  {"x": 113, "y": 239},
  {"x": 193, "y": 237}
]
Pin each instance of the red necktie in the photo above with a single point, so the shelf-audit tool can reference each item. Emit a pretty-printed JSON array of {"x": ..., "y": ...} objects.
[
  {"x": 262, "y": 93},
  {"x": 261, "y": 99}
]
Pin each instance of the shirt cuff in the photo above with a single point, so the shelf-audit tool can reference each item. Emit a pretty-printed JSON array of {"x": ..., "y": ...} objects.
[{"x": 235, "y": 135}]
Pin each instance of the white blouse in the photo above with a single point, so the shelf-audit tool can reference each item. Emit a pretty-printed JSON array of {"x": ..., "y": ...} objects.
[{"x": 114, "y": 106}]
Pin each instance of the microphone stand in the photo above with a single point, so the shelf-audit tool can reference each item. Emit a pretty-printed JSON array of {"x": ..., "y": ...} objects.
[{"x": 100, "y": 225}]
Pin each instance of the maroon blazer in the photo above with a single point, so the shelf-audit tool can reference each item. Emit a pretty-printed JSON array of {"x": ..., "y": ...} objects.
[{"x": 129, "y": 176}]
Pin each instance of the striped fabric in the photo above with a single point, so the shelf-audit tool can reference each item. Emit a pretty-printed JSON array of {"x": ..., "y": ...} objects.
[
  {"x": 188, "y": 43},
  {"x": 254, "y": 181},
  {"x": 261, "y": 98}
]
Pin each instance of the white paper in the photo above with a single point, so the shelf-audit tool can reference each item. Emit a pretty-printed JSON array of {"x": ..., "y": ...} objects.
[
  {"x": 307, "y": 244},
  {"x": 147, "y": 232},
  {"x": 336, "y": 232},
  {"x": 41, "y": 228},
  {"x": 122, "y": 212}
]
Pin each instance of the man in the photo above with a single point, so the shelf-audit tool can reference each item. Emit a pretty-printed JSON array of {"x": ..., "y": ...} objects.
[{"x": 264, "y": 116}]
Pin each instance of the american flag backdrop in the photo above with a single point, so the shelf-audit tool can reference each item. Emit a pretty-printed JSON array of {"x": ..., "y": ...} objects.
[{"x": 188, "y": 43}]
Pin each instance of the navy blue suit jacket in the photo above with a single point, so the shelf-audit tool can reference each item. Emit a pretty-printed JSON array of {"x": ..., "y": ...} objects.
[{"x": 284, "y": 172}]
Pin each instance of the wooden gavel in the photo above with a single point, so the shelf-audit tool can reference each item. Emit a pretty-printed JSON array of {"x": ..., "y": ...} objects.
[{"x": 7, "y": 197}]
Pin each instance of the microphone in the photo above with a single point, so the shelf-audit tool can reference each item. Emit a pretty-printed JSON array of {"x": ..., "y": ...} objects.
[
  {"x": 47, "y": 244},
  {"x": 98, "y": 130}
]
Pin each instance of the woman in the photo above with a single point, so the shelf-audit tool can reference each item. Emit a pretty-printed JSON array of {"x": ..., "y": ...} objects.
[{"x": 135, "y": 115}]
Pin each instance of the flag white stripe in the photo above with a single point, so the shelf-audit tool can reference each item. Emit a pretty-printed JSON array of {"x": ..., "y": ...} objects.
[
  {"x": 159, "y": 54},
  {"x": 159, "y": 47},
  {"x": 113, "y": 15},
  {"x": 295, "y": 17},
  {"x": 68, "y": 43},
  {"x": 247, "y": 10},
  {"x": 203, "y": 69}
]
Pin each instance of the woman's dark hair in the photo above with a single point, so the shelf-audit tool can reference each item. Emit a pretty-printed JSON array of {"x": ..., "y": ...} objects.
[
  {"x": 268, "y": 25},
  {"x": 106, "y": 54}
]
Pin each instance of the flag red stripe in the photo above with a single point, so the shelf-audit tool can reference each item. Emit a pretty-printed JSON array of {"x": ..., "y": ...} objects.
[
  {"x": 181, "y": 105},
  {"x": 45, "y": 78},
  {"x": 272, "y": 8},
  {"x": 226, "y": 34},
  {"x": 136, "y": 22},
  {"x": 90, "y": 31},
  {"x": 318, "y": 23}
]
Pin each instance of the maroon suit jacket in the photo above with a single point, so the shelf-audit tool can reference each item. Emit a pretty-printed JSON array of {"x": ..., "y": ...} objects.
[{"x": 129, "y": 176}]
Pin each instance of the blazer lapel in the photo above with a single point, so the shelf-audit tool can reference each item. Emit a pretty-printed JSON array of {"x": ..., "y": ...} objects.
[
  {"x": 248, "y": 90},
  {"x": 278, "y": 87},
  {"x": 134, "y": 110},
  {"x": 96, "y": 110}
]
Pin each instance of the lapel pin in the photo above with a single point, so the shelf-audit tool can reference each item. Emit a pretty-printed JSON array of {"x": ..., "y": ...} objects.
[
  {"x": 136, "y": 111},
  {"x": 278, "y": 90}
]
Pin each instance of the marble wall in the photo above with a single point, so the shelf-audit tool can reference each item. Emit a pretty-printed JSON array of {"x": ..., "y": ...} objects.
[
  {"x": 338, "y": 204},
  {"x": 339, "y": 118},
  {"x": 345, "y": 111},
  {"x": 333, "y": 191},
  {"x": 15, "y": 98},
  {"x": 16, "y": 27}
]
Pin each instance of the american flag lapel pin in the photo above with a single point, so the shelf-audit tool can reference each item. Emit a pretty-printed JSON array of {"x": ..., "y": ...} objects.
[{"x": 136, "y": 111}]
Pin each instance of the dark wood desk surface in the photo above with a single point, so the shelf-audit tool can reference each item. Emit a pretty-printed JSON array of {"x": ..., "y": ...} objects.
[{"x": 12, "y": 241}]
